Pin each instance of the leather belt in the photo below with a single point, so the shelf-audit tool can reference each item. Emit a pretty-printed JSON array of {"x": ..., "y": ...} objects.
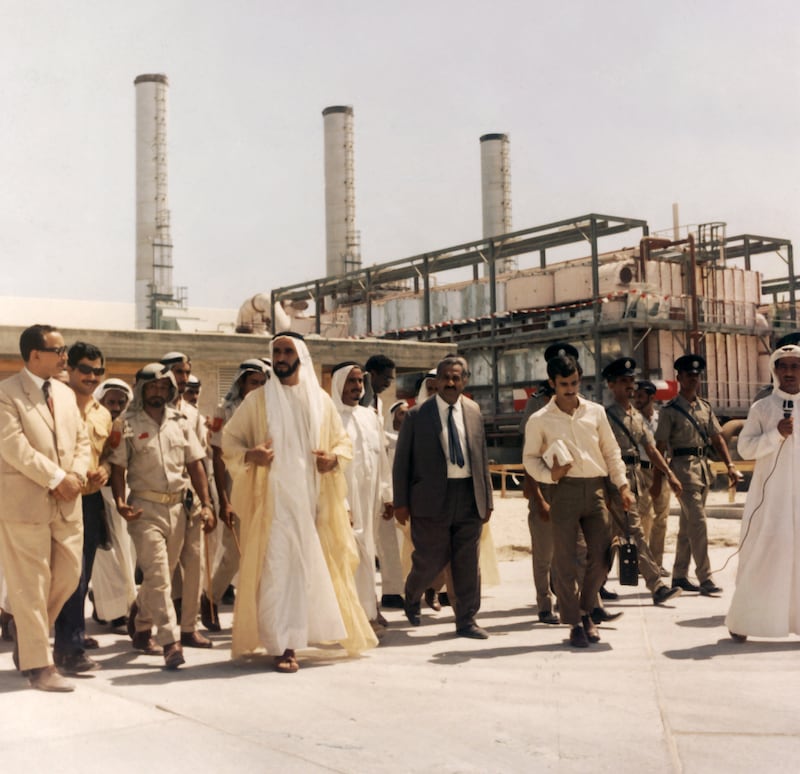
[
  {"x": 631, "y": 459},
  {"x": 689, "y": 451},
  {"x": 165, "y": 498},
  {"x": 646, "y": 465}
]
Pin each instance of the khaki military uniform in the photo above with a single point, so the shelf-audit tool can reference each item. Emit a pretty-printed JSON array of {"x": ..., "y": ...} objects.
[
  {"x": 638, "y": 434},
  {"x": 187, "y": 581},
  {"x": 690, "y": 465},
  {"x": 653, "y": 511},
  {"x": 156, "y": 457},
  {"x": 229, "y": 560}
]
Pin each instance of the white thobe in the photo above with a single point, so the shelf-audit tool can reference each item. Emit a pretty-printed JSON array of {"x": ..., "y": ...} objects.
[
  {"x": 368, "y": 488},
  {"x": 766, "y": 602},
  {"x": 294, "y": 572}
]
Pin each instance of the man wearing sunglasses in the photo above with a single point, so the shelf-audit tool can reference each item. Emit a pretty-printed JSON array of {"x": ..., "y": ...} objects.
[
  {"x": 44, "y": 460},
  {"x": 85, "y": 368}
]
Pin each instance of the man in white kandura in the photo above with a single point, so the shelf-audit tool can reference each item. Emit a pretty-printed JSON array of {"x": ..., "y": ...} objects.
[
  {"x": 284, "y": 448},
  {"x": 369, "y": 485},
  {"x": 766, "y": 602}
]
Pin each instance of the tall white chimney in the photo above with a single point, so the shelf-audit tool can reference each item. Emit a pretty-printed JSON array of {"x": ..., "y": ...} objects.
[
  {"x": 342, "y": 249},
  {"x": 496, "y": 191},
  {"x": 153, "y": 240}
]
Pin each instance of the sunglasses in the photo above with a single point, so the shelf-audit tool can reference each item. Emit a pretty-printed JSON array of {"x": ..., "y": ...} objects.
[
  {"x": 87, "y": 369},
  {"x": 60, "y": 351}
]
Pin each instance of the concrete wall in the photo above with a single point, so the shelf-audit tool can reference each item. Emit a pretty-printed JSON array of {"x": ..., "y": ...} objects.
[{"x": 127, "y": 351}]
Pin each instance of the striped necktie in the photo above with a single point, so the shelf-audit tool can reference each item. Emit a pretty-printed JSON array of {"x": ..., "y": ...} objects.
[{"x": 48, "y": 397}]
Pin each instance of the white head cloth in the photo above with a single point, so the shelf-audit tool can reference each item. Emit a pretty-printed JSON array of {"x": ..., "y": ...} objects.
[
  {"x": 424, "y": 391},
  {"x": 790, "y": 350},
  {"x": 289, "y": 453},
  {"x": 112, "y": 384},
  {"x": 389, "y": 420},
  {"x": 337, "y": 385}
]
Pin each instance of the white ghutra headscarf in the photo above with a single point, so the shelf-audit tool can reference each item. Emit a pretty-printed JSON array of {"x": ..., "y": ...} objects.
[{"x": 289, "y": 452}]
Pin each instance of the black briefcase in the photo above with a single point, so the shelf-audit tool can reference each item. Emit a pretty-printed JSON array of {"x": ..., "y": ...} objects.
[{"x": 628, "y": 559}]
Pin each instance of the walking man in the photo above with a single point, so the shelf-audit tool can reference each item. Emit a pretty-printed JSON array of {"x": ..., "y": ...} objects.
[{"x": 442, "y": 484}]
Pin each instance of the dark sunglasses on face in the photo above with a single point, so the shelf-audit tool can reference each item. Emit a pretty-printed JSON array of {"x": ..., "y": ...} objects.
[
  {"x": 60, "y": 351},
  {"x": 87, "y": 369}
]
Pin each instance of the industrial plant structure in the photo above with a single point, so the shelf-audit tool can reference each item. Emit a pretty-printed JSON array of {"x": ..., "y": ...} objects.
[{"x": 654, "y": 300}]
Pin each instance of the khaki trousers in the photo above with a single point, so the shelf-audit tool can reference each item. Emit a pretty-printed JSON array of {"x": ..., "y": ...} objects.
[
  {"x": 541, "y": 556},
  {"x": 692, "y": 536},
  {"x": 578, "y": 504},
  {"x": 42, "y": 566},
  {"x": 187, "y": 581},
  {"x": 158, "y": 538},
  {"x": 654, "y": 514}
]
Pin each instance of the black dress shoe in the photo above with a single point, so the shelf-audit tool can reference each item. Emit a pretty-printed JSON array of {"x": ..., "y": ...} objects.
[
  {"x": 601, "y": 615},
  {"x": 662, "y": 594},
  {"x": 683, "y": 583},
  {"x": 392, "y": 601},
  {"x": 444, "y": 599},
  {"x": 740, "y": 638},
  {"x": 412, "y": 612},
  {"x": 12, "y": 632},
  {"x": 592, "y": 635},
  {"x": 131, "y": 626},
  {"x": 118, "y": 623},
  {"x": 431, "y": 600},
  {"x": 229, "y": 597},
  {"x": 473, "y": 631},
  {"x": 547, "y": 617},
  {"x": 74, "y": 663},
  {"x": 607, "y": 595},
  {"x": 709, "y": 588},
  {"x": 209, "y": 614},
  {"x": 577, "y": 637},
  {"x": 5, "y": 620}
]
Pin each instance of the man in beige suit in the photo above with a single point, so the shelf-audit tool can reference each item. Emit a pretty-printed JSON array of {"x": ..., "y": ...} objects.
[{"x": 44, "y": 457}]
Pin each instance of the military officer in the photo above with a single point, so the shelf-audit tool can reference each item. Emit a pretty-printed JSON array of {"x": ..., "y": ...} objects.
[
  {"x": 688, "y": 427},
  {"x": 631, "y": 432},
  {"x": 162, "y": 457}
]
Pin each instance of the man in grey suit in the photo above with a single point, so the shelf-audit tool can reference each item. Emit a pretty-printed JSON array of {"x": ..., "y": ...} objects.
[
  {"x": 442, "y": 483},
  {"x": 44, "y": 457}
]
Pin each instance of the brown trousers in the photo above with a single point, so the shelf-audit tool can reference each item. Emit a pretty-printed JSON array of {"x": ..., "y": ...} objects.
[{"x": 579, "y": 505}]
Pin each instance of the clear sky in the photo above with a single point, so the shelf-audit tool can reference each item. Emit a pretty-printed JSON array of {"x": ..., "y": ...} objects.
[{"x": 620, "y": 107}]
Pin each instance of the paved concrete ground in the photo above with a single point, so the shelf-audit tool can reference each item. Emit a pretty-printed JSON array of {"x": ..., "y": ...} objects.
[{"x": 665, "y": 690}]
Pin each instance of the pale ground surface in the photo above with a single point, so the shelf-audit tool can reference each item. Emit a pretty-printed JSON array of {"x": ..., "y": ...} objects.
[{"x": 666, "y": 690}]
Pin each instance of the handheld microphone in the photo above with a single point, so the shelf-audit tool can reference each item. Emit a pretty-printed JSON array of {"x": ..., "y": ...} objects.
[{"x": 788, "y": 408}]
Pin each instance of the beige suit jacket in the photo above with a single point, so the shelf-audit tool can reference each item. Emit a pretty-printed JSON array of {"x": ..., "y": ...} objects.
[{"x": 33, "y": 445}]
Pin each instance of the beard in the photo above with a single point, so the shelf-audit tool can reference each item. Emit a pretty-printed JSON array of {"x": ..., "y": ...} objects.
[
  {"x": 285, "y": 370},
  {"x": 155, "y": 401}
]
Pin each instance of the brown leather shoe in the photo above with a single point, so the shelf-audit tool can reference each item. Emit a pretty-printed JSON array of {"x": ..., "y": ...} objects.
[
  {"x": 48, "y": 679},
  {"x": 173, "y": 655},
  {"x": 591, "y": 630},
  {"x": 209, "y": 614},
  {"x": 195, "y": 640},
  {"x": 144, "y": 642},
  {"x": 432, "y": 600}
]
